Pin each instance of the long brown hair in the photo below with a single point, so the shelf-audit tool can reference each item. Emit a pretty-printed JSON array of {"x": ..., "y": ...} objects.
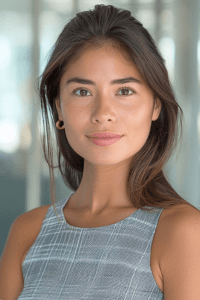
[{"x": 147, "y": 185}]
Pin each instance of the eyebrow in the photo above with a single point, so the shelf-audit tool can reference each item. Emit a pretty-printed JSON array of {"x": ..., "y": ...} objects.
[{"x": 116, "y": 81}]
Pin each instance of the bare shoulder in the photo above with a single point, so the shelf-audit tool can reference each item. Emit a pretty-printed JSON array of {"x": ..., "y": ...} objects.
[
  {"x": 30, "y": 225},
  {"x": 33, "y": 214},
  {"x": 178, "y": 215},
  {"x": 22, "y": 234},
  {"x": 176, "y": 220},
  {"x": 175, "y": 217},
  {"x": 179, "y": 254}
]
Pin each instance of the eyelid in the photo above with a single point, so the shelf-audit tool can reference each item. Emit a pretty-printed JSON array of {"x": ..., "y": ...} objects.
[{"x": 121, "y": 88}]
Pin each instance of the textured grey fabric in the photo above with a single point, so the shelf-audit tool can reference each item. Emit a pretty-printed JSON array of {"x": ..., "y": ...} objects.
[{"x": 109, "y": 262}]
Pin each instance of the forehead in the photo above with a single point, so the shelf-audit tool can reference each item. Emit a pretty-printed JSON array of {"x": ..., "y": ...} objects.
[{"x": 105, "y": 59}]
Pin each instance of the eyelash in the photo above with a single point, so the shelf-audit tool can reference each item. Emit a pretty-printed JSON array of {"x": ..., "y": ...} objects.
[{"x": 123, "y": 88}]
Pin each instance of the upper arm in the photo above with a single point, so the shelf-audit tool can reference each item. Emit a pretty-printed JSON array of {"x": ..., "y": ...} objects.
[
  {"x": 23, "y": 232},
  {"x": 11, "y": 277},
  {"x": 180, "y": 263}
]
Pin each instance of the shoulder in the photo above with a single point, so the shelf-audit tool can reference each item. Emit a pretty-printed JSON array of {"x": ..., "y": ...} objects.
[
  {"x": 28, "y": 219},
  {"x": 25, "y": 226},
  {"x": 22, "y": 233},
  {"x": 178, "y": 217},
  {"x": 33, "y": 215},
  {"x": 28, "y": 225},
  {"x": 179, "y": 258},
  {"x": 175, "y": 221}
]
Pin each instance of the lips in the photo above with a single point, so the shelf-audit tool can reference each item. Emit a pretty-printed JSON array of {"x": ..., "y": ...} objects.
[
  {"x": 105, "y": 135},
  {"x": 104, "y": 141}
]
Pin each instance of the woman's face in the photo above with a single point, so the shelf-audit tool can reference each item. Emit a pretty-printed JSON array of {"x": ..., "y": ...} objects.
[{"x": 125, "y": 109}]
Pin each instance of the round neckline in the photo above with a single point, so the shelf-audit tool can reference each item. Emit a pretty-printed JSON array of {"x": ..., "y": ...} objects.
[{"x": 92, "y": 228}]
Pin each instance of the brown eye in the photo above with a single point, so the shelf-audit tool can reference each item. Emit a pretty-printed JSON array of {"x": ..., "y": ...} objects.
[
  {"x": 127, "y": 91},
  {"x": 83, "y": 92},
  {"x": 81, "y": 95}
]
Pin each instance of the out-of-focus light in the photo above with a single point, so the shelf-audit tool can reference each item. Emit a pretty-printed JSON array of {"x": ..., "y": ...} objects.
[
  {"x": 198, "y": 58},
  {"x": 147, "y": 18},
  {"x": 146, "y": 1},
  {"x": 60, "y": 5},
  {"x": 5, "y": 52},
  {"x": 166, "y": 44},
  {"x": 26, "y": 138},
  {"x": 198, "y": 130},
  {"x": 17, "y": 27},
  {"x": 9, "y": 136},
  {"x": 167, "y": 48},
  {"x": 11, "y": 107}
]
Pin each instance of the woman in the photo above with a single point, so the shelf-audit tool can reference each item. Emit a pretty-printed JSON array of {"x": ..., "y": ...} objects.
[{"x": 124, "y": 233}]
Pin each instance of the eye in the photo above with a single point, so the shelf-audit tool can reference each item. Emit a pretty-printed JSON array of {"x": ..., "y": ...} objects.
[
  {"x": 125, "y": 88},
  {"x": 121, "y": 89},
  {"x": 79, "y": 89}
]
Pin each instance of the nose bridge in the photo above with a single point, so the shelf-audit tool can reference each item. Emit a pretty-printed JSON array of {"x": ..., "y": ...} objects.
[
  {"x": 104, "y": 98},
  {"x": 103, "y": 104}
]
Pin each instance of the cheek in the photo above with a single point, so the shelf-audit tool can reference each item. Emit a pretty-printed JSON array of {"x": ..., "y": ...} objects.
[
  {"x": 71, "y": 115},
  {"x": 140, "y": 115},
  {"x": 139, "y": 125},
  {"x": 74, "y": 125},
  {"x": 74, "y": 134}
]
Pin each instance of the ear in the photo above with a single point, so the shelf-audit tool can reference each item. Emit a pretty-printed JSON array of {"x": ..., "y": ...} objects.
[
  {"x": 156, "y": 109},
  {"x": 57, "y": 102}
]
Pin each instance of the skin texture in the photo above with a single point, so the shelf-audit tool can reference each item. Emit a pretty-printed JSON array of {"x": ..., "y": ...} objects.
[{"x": 105, "y": 107}]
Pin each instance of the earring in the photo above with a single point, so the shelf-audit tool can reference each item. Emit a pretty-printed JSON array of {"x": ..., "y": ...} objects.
[{"x": 59, "y": 124}]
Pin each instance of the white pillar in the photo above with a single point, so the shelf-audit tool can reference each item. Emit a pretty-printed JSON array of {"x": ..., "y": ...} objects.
[
  {"x": 186, "y": 35},
  {"x": 158, "y": 6},
  {"x": 34, "y": 154}
]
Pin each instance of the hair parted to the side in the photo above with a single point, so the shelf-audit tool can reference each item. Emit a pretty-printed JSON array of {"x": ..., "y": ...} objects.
[{"x": 146, "y": 184}]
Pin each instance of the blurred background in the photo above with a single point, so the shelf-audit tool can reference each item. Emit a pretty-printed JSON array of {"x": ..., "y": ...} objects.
[{"x": 28, "y": 30}]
